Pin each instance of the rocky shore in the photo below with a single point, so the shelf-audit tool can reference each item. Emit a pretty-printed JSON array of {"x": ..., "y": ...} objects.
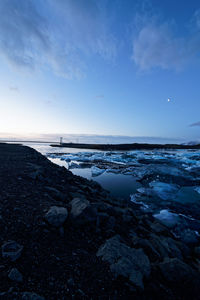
[{"x": 64, "y": 237}]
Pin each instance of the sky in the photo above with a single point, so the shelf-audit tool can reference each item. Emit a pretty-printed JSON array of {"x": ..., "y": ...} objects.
[{"x": 100, "y": 67}]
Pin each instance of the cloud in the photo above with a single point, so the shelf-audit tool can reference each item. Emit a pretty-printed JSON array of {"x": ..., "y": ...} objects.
[
  {"x": 86, "y": 25},
  {"x": 195, "y": 124},
  {"x": 157, "y": 45},
  {"x": 14, "y": 89},
  {"x": 100, "y": 96},
  {"x": 196, "y": 19},
  {"x": 54, "y": 34},
  {"x": 23, "y": 33}
]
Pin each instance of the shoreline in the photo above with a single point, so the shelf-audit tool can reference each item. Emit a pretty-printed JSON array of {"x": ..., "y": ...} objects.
[
  {"x": 91, "y": 247},
  {"x": 127, "y": 147}
]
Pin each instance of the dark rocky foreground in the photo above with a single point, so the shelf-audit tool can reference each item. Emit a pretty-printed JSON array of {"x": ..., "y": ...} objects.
[
  {"x": 126, "y": 147},
  {"x": 64, "y": 237}
]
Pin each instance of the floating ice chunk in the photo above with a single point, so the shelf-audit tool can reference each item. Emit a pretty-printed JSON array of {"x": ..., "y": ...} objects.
[
  {"x": 97, "y": 171},
  {"x": 187, "y": 194},
  {"x": 197, "y": 189},
  {"x": 143, "y": 205},
  {"x": 165, "y": 191},
  {"x": 68, "y": 157},
  {"x": 115, "y": 171},
  {"x": 167, "y": 218},
  {"x": 187, "y": 217},
  {"x": 159, "y": 157},
  {"x": 168, "y": 170},
  {"x": 73, "y": 165},
  {"x": 140, "y": 172},
  {"x": 141, "y": 190}
]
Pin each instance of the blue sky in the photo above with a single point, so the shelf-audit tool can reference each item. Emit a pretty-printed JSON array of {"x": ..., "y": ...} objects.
[{"x": 100, "y": 67}]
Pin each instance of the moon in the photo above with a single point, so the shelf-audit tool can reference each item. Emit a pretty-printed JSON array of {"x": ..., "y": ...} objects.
[{"x": 168, "y": 100}]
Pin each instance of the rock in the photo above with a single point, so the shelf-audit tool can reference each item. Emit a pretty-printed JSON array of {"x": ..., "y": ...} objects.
[
  {"x": 148, "y": 248},
  {"x": 122, "y": 267},
  {"x": 82, "y": 211},
  {"x": 189, "y": 237},
  {"x": 165, "y": 246},
  {"x": 34, "y": 175},
  {"x": 56, "y": 193},
  {"x": 125, "y": 261},
  {"x": 176, "y": 271},
  {"x": 172, "y": 247},
  {"x": 197, "y": 251},
  {"x": 111, "y": 223},
  {"x": 15, "y": 275},
  {"x": 31, "y": 296},
  {"x": 70, "y": 282},
  {"x": 159, "y": 228},
  {"x": 56, "y": 216},
  {"x": 11, "y": 250},
  {"x": 78, "y": 205}
]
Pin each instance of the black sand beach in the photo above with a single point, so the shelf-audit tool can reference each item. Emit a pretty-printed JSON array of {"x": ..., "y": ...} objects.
[{"x": 64, "y": 237}]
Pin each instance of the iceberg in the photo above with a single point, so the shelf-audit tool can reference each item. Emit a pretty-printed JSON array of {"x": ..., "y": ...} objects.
[
  {"x": 142, "y": 205},
  {"x": 188, "y": 194},
  {"x": 197, "y": 189},
  {"x": 73, "y": 165},
  {"x": 167, "y": 218},
  {"x": 115, "y": 171},
  {"x": 165, "y": 191},
  {"x": 96, "y": 171},
  {"x": 144, "y": 191}
]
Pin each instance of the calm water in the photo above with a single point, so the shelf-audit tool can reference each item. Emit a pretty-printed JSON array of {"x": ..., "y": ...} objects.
[{"x": 119, "y": 185}]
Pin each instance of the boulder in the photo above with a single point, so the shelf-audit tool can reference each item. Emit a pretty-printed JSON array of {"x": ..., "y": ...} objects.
[
  {"x": 11, "y": 250},
  {"x": 197, "y": 251},
  {"x": 82, "y": 211},
  {"x": 56, "y": 216},
  {"x": 125, "y": 261},
  {"x": 15, "y": 275},
  {"x": 189, "y": 237},
  {"x": 165, "y": 246},
  {"x": 172, "y": 247},
  {"x": 78, "y": 205},
  {"x": 159, "y": 228},
  {"x": 56, "y": 193},
  {"x": 148, "y": 248},
  {"x": 31, "y": 296},
  {"x": 177, "y": 272}
]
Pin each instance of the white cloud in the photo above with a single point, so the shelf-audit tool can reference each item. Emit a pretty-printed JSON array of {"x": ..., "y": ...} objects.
[
  {"x": 54, "y": 33},
  {"x": 156, "y": 45},
  {"x": 196, "y": 18}
]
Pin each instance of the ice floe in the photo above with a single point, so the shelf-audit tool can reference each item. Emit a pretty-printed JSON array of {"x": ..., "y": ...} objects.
[
  {"x": 197, "y": 189},
  {"x": 170, "y": 180},
  {"x": 142, "y": 205},
  {"x": 97, "y": 171},
  {"x": 165, "y": 191},
  {"x": 167, "y": 218},
  {"x": 187, "y": 194}
]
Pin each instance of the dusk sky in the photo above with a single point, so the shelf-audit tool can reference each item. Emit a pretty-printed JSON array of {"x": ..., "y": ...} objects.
[{"x": 115, "y": 67}]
